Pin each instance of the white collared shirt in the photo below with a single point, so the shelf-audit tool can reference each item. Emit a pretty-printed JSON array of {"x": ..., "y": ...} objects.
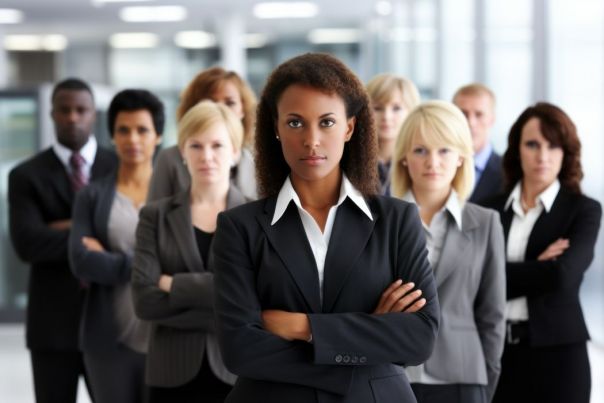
[
  {"x": 436, "y": 233},
  {"x": 88, "y": 152},
  {"x": 318, "y": 240},
  {"x": 520, "y": 230}
]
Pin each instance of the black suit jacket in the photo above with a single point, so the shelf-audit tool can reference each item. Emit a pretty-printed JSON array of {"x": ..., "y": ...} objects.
[
  {"x": 353, "y": 355},
  {"x": 39, "y": 192},
  {"x": 552, "y": 287},
  {"x": 491, "y": 181}
]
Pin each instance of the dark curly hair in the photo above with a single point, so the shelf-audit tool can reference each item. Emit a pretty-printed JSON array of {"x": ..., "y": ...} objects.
[
  {"x": 329, "y": 75},
  {"x": 559, "y": 130}
]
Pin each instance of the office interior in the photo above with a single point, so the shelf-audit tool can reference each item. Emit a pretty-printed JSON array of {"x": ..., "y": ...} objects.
[{"x": 525, "y": 50}]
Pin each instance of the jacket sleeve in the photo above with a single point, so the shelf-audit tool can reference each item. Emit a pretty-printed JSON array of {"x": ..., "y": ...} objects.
[
  {"x": 489, "y": 304},
  {"x": 150, "y": 302},
  {"x": 33, "y": 239},
  {"x": 106, "y": 268},
  {"x": 401, "y": 338},
  {"x": 533, "y": 278},
  {"x": 164, "y": 180},
  {"x": 247, "y": 349}
]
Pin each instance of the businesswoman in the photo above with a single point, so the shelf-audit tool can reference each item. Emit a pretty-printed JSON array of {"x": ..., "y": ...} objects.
[
  {"x": 433, "y": 167},
  {"x": 173, "y": 268},
  {"x": 392, "y": 98},
  {"x": 309, "y": 296},
  {"x": 550, "y": 229},
  {"x": 101, "y": 245},
  {"x": 227, "y": 88}
]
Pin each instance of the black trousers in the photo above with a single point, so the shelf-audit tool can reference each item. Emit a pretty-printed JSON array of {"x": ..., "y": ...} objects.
[
  {"x": 558, "y": 374},
  {"x": 204, "y": 388},
  {"x": 452, "y": 393},
  {"x": 56, "y": 375}
]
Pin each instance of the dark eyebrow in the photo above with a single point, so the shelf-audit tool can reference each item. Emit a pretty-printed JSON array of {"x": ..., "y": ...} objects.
[{"x": 322, "y": 116}]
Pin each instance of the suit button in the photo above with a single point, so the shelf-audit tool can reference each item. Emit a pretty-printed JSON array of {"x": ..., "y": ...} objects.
[
  {"x": 346, "y": 359},
  {"x": 338, "y": 358},
  {"x": 354, "y": 359},
  {"x": 363, "y": 359}
]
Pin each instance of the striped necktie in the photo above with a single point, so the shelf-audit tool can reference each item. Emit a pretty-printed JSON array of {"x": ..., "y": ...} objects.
[{"x": 77, "y": 178}]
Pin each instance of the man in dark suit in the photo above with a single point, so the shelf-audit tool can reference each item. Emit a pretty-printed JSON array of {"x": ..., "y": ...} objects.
[
  {"x": 477, "y": 102},
  {"x": 41, "y": 192}
]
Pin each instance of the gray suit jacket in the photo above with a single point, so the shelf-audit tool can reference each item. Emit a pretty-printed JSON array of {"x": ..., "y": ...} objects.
[
  {"x": 170, "y": 175},
  {"x": 182, "y": 320},
  {"x": 470, "y": 279}
]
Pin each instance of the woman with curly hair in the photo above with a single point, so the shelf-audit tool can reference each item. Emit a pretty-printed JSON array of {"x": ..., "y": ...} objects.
[
  {"x": 225, "y": 87},
  {"x": 551, "y": 230},
  {"x": 314, "y": 283}
]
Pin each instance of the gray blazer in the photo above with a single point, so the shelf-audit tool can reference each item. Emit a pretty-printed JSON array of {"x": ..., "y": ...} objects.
[
  {"x": 182, "y": 320},
  {"x": 170, "y": 175},
  {"x": 470, "y": 280}
]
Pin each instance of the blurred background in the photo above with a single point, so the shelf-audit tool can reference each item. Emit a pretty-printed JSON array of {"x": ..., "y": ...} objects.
[{"x": 525, "y": 50}]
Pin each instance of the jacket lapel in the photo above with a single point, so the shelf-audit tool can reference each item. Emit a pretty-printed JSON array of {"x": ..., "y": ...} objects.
[
  {"x": 538, "y": 239},
  {"x": 291, "y": 244},
  {"x": 454, "y": 249},
  {"x": 179, "y": 220},
  {"x": 345, "y": 247},
  {"x": 58, "y": 177}
]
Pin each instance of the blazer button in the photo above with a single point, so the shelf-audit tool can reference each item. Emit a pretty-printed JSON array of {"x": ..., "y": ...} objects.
[
  {"x": 338, "y": 358},
  {"x": 363, "y": 359},
  {"x": 346, "y": 359},
  {"x": 354, "y": 359}
]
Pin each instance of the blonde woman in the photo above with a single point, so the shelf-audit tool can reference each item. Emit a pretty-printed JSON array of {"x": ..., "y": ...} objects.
[
  {"x": 392, "y": 98},
  {"x": 433, "y": 167},
  {"x": 173, "y": 280}
]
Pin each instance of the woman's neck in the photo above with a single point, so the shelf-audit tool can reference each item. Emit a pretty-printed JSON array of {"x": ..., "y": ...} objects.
[
  {"x": 135, "y": 175},
  {"x": 430, "y": 202},
  {"x": 385, "y": 149},
  {"x": 215, "y": 193},
  {"x": 320, "y": 194},
  {"x": 529, "y": 193}
]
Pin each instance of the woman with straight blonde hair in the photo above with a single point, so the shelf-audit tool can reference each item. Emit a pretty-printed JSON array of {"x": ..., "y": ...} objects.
[
  {"x": 173, "y": 274},
  {"x": 433, "y": 167},
  {"x": 392, "y": 98}
]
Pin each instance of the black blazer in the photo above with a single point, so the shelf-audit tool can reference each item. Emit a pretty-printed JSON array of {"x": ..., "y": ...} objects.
[
  {"x": 491, "y": 181},
  {"x": 552, "y": 287},
  {"x": 39, "y": 192},
  {"x": 183, "y": 329},
  {"x": 102, "y": 271},
  {"x": 353, "y": 355}
]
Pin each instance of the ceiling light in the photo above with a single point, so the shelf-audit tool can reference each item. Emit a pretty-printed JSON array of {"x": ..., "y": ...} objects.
[
  {"x": 334, "y": 35},
  {"x": 253, "y": 41},
  {"x": 10, "y": 16},
  {"x": 51, "y": 43},
  {"x": 195, "y": 39},
  {"x": 133, "y": 40},
  {"x": 383, "y": 8},
  {"x": 300, "y": 9},
  {"x": 153, "y": 14},
  {"x": 102, "y": 2}
]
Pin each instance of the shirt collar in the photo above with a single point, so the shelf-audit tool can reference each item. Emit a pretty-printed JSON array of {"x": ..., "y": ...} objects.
[
  {"x": 482, "y": 157},
  {"x": 453, "y": 205},
  {"x": 288, "y": 193},
  {"x": 87, "y": 152},
  {"x": 546, "y": 197}
]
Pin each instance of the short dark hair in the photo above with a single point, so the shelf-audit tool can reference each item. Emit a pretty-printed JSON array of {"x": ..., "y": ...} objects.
[
  {"x": 135, "y": 100},
  {"x": 329, "y": 75},
  {"x": 560, "y": 131},
  {"x": 71, "y": 84}
]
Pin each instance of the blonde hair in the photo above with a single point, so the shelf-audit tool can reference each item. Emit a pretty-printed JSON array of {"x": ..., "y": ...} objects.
[
  {"x": 476, "y": 89},
  {"x": 204, "y": 115},
  {"x": 439, "y": 123},
  {"x": 381, "y": 87}
]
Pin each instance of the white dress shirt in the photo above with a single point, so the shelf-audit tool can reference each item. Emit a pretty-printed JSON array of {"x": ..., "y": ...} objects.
[
  {"x": 318, "y": 240},
  {"x": 518, "y": 236},
  {"x": 436, "y": 233},
  {"x": 88, "y": 152}
]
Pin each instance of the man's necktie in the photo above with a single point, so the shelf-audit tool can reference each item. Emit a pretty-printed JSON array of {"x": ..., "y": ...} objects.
[{"x": 78, "y": 179}]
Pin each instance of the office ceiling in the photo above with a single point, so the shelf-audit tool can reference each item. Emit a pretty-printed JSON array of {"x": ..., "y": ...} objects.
[{"x": 82, "y": 21}]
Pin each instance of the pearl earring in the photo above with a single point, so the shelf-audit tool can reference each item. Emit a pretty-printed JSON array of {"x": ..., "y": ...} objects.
[{"x": 278, "y": 138}]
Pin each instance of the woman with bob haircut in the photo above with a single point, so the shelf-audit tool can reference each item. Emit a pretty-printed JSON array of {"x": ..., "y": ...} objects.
[
  {"x": 225, "y": 87},
  {"x": 173, "y": 280},
  {"x": 392, "y": 98},
  {"x": 433, "y": 168},
  {"x": 551, "y": 230},
  {"x": 101, "y": 244},
  {"x": 314, "y": 283}
]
